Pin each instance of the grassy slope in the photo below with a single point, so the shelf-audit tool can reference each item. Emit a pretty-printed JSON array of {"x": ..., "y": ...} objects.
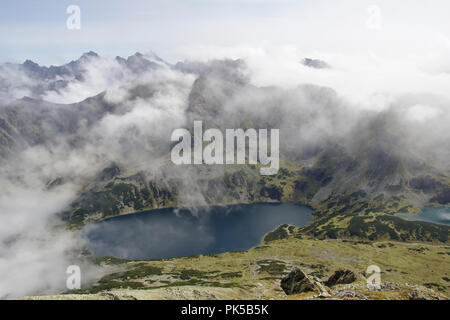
[{"x": 256, "y": 273}]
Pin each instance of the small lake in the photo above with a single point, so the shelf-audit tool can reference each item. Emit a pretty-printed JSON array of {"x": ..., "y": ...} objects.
[
  {"x": 437, "y": 215},
  {"x": 167, "y": 233}
]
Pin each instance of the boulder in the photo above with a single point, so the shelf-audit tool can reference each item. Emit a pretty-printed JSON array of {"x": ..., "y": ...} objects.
[
  {"x": 341, "y": 276},
  {"x": 298, "y": 281},
  {"x": 416, "y": 295},
  {"x": 350, "y": 294}
]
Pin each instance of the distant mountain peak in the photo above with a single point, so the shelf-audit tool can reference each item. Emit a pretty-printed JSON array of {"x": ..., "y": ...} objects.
[
  {"x": 87, "y": 56},
  {"x": 315, "y": 63},
  {"x": 30, "y": 63},
  {"x": 139, "y": 62},
  {"x": 91, "y": 54}
]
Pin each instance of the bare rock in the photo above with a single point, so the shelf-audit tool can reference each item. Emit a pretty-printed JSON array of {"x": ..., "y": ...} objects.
[
  {"x": 416, "y": 295},
  {"x": 341, "y": 276},
  {"x": 349, "y": 294},
  {"x": 298, "y": 281}
]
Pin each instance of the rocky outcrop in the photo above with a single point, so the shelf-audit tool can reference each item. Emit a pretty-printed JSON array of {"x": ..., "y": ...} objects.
[
  {"x": 349, "y": 294},
  {"x": 298, "y": 281},
  {"x": 341, "y": 276}
]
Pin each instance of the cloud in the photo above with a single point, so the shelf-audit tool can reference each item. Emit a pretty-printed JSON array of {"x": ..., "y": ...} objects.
[
  {"x": 34, "y": 254},
  {"x": 420, "y": 113},
  {"x": 35, "y": 249}
]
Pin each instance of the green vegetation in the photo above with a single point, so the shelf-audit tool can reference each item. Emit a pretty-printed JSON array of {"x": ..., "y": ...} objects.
[
  {"x": 272, "y": 267},
  {"x": 255, "y": 274},
  {"x": 279, "y": 233}
]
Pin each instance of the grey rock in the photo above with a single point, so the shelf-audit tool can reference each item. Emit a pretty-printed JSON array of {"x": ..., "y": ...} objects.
[
  {"x": 298, "y": 281},
  {"x": 350, "y": 294},
  {"x": 341, "y": 276}
]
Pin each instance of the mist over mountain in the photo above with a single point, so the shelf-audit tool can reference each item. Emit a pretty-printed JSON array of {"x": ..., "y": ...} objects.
[{"x": 91, "y": 139}]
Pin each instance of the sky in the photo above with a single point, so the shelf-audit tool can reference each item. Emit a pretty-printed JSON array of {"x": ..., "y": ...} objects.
[{"x": 201, "y": 29}]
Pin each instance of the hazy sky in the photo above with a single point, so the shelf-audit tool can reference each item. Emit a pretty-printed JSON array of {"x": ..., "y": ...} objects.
[{"x": 176, "y": 29}]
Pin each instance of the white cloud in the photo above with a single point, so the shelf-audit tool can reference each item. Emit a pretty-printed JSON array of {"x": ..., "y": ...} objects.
[{"x": 422, "y": 113}]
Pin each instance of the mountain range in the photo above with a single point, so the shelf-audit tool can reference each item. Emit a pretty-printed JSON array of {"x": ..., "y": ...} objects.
[
  {"x": 366, "y": 166},
  {"x": 90, "y": 140}
]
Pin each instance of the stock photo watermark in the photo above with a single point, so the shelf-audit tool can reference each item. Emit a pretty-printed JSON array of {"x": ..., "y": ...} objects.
[
  {"x": 73, "y": 22},
  {"x": 374, "y": 18},
  {"x": 235, "y": 147},
  {"x": 73, "y": 281},
  {"x": 374, "y": 280}
]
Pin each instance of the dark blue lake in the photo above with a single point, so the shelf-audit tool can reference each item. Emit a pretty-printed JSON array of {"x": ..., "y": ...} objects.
[
  {"x": 438, "y": 215},
  {"x": 170, "y": 233}
]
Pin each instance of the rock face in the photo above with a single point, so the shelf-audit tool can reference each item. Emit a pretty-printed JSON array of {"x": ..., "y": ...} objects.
[
  {"x": 298, "y": 281},
  {"x": 341, "y": 276}
]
